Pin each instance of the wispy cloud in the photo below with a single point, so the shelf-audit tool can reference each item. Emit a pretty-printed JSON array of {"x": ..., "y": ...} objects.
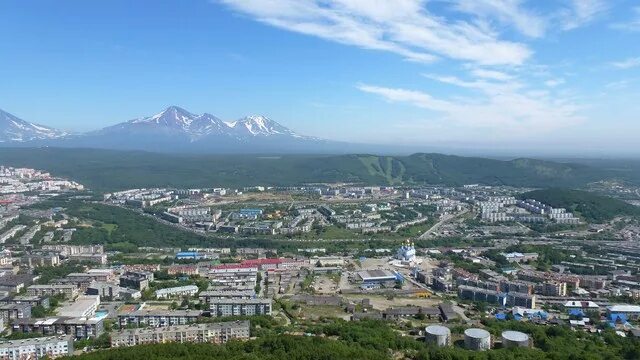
[
  {"x": 627, "y": 63},
  {"x": 508, "y": 108},
  {"x": 510, "y": 12},
  {"x": 491, "y": 74},
  {"x": 582, "y": 12},
  {"x": 633, "y": 24},
  {"x": 554, "y": 82},
  {"x": 405, "y": 27}
]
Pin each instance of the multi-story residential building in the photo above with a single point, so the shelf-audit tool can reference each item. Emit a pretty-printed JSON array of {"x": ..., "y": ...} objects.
[
  {"x": 69, "y": 291},
  {"x": 217, "y": 333},
  {"x": 136, "y": 280},
  {"x": 552, "y": 288},
  {"x": 112, "y": 291},
  {"x": 209, "y": 296},
  {"x": 78, "y": 328},
  {"x": 484, "y": 295},
  {"x": 90, "y": 257},
  {"x": 81, "y": 282},
  {"x": 37, "y": 348},
  {"x": 35, "y": 260},
  {"x": 522, "y": 300},
  {"x": 67, "y": 250},
  {"x": 31, "y": 300},
  {"x": 237, "y": 307},
  {"x": 517, "y": 286},
  {"x": 158, "y": 318},
  {"x": 233, "y": 275},
  {"x": 183, "y": 270},
  {"x": 12, "y": 311},
  {"x": 15, "y": 283},
  {"x": 188, "y": 290}
]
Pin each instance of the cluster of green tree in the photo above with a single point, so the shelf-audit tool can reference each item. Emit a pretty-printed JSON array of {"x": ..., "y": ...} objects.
[
  {"x": 48, "y": 273},
  {"x": 136, "y": 169},
  {"x": 592, "y": 207},
  {"x": 101, "y": 342},
  {"x": 377, "y": 340}
]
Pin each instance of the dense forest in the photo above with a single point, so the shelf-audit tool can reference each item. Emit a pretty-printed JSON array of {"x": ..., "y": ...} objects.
[
  {"x": 376, "y": 340},
  {"x": 592, "y": 207},
  {"x": 108, "y": 170}
]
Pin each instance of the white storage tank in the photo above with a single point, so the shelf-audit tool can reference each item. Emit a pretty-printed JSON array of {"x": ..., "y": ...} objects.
[
  {"x": 477, "y": 339},
  {"x": 512, "y": 339},
  {"x": 438, "y": 335}
]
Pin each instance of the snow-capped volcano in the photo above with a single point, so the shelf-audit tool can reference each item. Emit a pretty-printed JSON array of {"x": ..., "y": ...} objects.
[
  {"x": 14, "y": 129},
  {"x": 171, "y": 130},
  {"x": 173, "y": 117},
  {"x": 257, "y": 125},
  {"x": 195, "y": 127}
]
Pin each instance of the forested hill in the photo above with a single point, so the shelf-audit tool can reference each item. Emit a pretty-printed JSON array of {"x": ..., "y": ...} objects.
[
  {"x": 111, "y": 170},
  {"x": 592, "y": 207}
]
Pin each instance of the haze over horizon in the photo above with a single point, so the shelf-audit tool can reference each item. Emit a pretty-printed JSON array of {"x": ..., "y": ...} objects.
[{"x": 509, "y": 76}]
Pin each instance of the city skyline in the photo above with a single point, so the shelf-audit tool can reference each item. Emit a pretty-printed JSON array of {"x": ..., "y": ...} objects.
[{"x": 513, "y": 75}]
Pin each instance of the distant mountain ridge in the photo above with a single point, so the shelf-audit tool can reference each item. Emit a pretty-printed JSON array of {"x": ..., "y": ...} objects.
[
  {"x": 14, "y": 129},
  {"x": 95, "y": 168},
  {"x": 172, "y": 130}
]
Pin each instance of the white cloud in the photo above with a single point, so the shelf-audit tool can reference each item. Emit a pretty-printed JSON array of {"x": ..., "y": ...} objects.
[
  {"x": 405, "y": 27},
  {"x": 554, "y": 82},
  {"x": 627, "y": 63},
  {"x": 415, "y": 98},
  {"x": 491, "y": 74},
  {"x": 582, "y": 12},
  {"x": 508, "y": 109},
  {"x": 631, "y": 25},
  {"x": 510, "y": 12}
]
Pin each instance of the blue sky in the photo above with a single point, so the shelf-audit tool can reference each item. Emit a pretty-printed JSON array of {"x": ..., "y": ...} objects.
[{"x": 557, "y": 75}]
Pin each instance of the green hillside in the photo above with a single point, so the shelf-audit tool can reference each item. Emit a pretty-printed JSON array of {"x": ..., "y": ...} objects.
[
  {"x": 107, "y": 170},
  {"x": 592, "y": 207}
]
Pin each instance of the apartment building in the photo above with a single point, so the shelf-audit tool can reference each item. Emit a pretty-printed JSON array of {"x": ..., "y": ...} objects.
[
  {"x": 37, "y": 348},
  {"x": 237, "y": 307},
  {"x": 136, "y": 280},
  {"x": 233, "y": 276},
  {"x": 158, "y": 318},
  {"x": 188, "y": 290},
  {"x": 12, "y": 311},
  {"x": 209, "y": 296},
  {"x": 216, "y": 333},
  {"x": 78, "y": 328},
  {"x": 69, "y": 291}
]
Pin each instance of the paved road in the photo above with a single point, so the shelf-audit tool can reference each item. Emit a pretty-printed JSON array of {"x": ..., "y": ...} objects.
[{"x": 444, "y": 220}]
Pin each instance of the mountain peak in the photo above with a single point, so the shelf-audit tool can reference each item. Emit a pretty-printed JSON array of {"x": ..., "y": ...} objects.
[
  {"x": 13, "y": 128},
  {"x": 258, "y": 125}
]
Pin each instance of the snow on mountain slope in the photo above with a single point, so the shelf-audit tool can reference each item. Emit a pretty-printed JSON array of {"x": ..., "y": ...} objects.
[
  {"x": 15, "y": 129},
  {"x": 199, "y": 126}
]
